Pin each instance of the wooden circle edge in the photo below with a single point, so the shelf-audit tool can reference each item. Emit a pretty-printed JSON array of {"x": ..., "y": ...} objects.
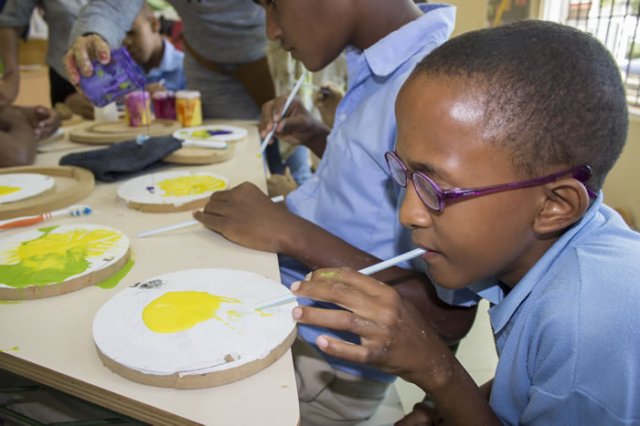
[
  {"x": 52, "y": 200},
  {"x": 195, "y": 155},
  {"x": 78, "y": 283},
  {"x": 166, "y": 208},
  {"x": 200, "y": 381},
  {"x": 81, "y": 134}
]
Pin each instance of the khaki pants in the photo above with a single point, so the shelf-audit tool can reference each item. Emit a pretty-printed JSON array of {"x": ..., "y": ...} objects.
[{"x": 331, "y": 397}]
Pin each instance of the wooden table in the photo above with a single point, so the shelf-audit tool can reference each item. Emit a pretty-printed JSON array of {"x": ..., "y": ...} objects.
[{"x": 50, "y": 340}]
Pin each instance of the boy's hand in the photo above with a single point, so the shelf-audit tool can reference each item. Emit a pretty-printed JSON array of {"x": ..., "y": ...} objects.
[
  {"x": 155, "y": 87},
  {"x": 326, "y": 100},
  {"x": 78, "y": 58},
  {"x": 43, "y": 121},
  {"x": 393, "y": 335},
  {"x": 246, "y": 216},
  {"x": 423, "y": 414},
  {"x": 81, "y": 105},
  {"x": 297, "y": 127}
]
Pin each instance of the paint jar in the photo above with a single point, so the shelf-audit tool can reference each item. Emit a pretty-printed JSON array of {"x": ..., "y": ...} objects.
[
  {"x": 138, "y": 108},
  {"x": 164, "y": 105},
  {"x": 189, "y": 108},
  {"x": 108, "y": 112},
  {"x": 110, "y": 82}
]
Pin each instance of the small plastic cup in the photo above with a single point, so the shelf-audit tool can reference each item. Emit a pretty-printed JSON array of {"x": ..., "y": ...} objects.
[
  {"x": 164, "y": 105},
  {"x": 110, "y": 82},
  {"x": 138, "y": 108}
]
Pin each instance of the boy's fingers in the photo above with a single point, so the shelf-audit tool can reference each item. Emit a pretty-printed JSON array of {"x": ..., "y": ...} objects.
[
  {"x": 345, "y": 350},
  {"x": 71, "y": 68},
  {"x": 335, "y": 320}
]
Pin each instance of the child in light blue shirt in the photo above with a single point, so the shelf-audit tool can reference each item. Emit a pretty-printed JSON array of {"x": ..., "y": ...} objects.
[
  {"x": 505, "y": 137},
  {"x": 161, "y": 61}
]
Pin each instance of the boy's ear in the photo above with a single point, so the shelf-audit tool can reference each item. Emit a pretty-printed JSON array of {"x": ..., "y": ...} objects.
[{"x": 566, "y": 201}]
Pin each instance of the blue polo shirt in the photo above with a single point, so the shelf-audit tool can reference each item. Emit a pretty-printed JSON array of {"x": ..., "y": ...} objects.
[
  {"x": 351, "y": 194},
  {"x": 568, "y": 334},
  {"x": 171, "y": 69}
]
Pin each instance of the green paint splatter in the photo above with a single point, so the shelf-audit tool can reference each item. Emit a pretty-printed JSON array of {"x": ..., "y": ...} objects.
[
  {"x": 5, "y": 190},
  {"x": 125, "y": 85},
  {"x": 115, "y": 279},
  {"x": 13, "y": 348},
  {"x": 52, "y": 258},
  {"x": 9, "y": 302},
  {"x": 326, "y": 274},
  {"x": 100, "y": 73}
]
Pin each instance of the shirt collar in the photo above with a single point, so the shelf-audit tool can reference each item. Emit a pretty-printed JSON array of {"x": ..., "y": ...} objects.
[
  {"x": 171, "y": 59},
  {"x": 390, "y": 52},
  {"x": 501, "y": 313}
]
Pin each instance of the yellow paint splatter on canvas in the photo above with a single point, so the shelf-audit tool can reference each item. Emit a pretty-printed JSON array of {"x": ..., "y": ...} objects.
[
  {"x": 6, "y": 190},
  {"x": 54, "y": 257},
  {"x": 177, "y": 311},
  {"x": 191, "y": 185}
]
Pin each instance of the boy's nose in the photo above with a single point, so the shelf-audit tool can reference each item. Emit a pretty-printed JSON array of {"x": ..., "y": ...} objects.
[{"x": 413, "y": 212}]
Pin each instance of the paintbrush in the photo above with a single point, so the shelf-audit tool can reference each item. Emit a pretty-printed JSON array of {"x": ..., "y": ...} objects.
[
  {"x": 369, "y": 270},
  {"x": 187, "y": 223},
  {"x": 78, "y": 210},
  {"x": 287, "y": 104}
]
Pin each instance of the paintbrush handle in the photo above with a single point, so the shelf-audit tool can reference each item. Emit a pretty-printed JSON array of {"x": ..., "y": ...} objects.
[
  {"x": 369, "y": 270},
  {"x": 22, "y": 221},
  {"x": 287, "y": 104}
]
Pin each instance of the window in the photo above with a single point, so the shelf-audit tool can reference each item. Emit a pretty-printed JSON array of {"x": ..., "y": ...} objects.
[{"x": 615, "y": 23}]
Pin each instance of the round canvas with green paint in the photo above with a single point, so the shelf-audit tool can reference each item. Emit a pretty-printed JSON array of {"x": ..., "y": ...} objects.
[{"x": 55, "y": 260}]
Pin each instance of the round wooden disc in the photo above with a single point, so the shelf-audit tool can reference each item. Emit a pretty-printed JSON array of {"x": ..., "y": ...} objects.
[
  {"x": 80, "y": 183},
  {"x": 23, "y": 186},
  {"x": 144, "y": 193},
  {"x": 106, "y": 252},
  {"x": 195, "y": 155},
  {"x": 104, "y": 133},
  {"x": 233, "y": 342}
]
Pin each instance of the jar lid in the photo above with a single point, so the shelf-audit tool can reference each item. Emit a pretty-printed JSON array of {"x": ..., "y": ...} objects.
[{"x": 188, "y": 94}]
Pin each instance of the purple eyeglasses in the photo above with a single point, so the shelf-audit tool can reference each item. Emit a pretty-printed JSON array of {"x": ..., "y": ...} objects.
[{"x": 434, "y": 197}]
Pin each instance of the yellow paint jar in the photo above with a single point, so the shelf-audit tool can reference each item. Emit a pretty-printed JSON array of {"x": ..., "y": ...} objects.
[{"x": 188, "y": 108}]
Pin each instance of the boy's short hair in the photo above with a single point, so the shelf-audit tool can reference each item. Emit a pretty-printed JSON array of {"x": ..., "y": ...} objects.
[{"x": 553, "y": 94}]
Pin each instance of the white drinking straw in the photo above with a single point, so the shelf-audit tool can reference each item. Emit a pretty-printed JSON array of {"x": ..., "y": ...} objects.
[
  {"x": 369, "y": 270},
  {"x": 187, "y": 224},
  {"x": 287, "y": 104}
]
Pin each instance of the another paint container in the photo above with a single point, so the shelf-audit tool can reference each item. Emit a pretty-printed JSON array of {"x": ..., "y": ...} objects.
[
  {"x": 108, "y": 112},
  {"x": 110, "y": 82},
  {"x": 189, "y": 108},
  {"x": 164, "y": 105},
  {"x": 138, "y": 108}
]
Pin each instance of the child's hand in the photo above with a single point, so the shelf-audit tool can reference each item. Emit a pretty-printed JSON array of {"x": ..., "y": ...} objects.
[
  {"x": 44, "y": 121},
  {"x": 155, "y": 87},
  {"x": 297, "y": 127},
  {"x": 81, "y": 105},
  {"x": 326, "y": 100},
  {"x": 394, "y": 336},
  {"x": 246, "y": 216},
  {"x": 78, "y": 58}
]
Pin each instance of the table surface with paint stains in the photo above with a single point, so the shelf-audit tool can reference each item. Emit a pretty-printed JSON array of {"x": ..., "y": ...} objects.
[{"x": 50, "y": 340}]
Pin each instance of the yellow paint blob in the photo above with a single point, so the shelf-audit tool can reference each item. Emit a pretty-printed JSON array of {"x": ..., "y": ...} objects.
[
  {"x": 91, "y": 243},
  {"x": 177, "y": 311},
  {"x": 191, "y": 185},
  {"x": 6, "y": 190}
]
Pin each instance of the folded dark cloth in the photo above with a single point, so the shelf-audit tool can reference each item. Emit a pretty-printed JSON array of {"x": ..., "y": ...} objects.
[{"x": 123, "y": 159}]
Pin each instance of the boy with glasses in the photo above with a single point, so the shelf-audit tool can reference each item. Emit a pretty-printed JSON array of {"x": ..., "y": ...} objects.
[
  {"x": 346, "y": 213},
  {"x": 505, "y": 137}
]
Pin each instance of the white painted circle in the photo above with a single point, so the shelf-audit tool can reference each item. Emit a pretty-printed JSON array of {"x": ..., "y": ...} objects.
[
  {"x": 20, "y": 186},
  {"x": 173, "y": 188},
  {"x": 237, "y": 329}
]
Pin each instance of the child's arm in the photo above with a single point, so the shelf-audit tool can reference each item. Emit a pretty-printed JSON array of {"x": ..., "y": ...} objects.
[
  {"x": 17, "y": 138},
  {"x": 10, "y": 79},
  {"x": 394, "y": 338},
  {"x": 245, "y": 215}
]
